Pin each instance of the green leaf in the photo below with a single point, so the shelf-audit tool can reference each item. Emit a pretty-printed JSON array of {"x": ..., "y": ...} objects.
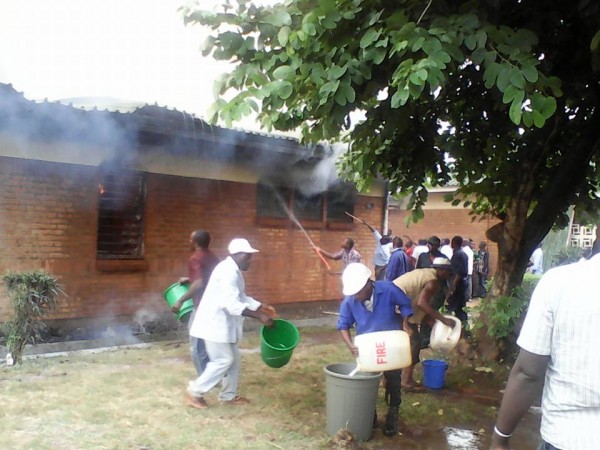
[
  {"x": 284, "y": 73},
  {"x": 548, "y": 107},
  {"x": 431, "y": 45},
  {"x": 369, "y": 37},
  {"x": 418, "y": 44},
  {"x": 479, "y": 55},
  {"x": 399, "y": 98},
  {"x": 279, "y": 18},
  {"x": 513, "y": 93},
  {"x": 490, "y": 57},
  {"x": 595, "y": 41},
  {"x": 415, "y": 79},
  {"x": 525, "y": 38},
  {"x": 317, "y": 73},
  {"x": 538, "y": 119},
  {"x": 379, "y": 56},
  {"x": 284, "y": 35},
  {"x": 284, "y": 90},
  {"x": 441, "y": 56},
  {"x": 503, "y": 80},
  {"x": 481, "y": 38},
  {"x": 490, "y": 75},
  {"x": 517, "y": 79},
  {"x": 422, "y": 74},
  {"x": 530, "y": 73},
  {"x": 336, "y": 72},
  {"x": 471, "y": 42},
  {"x": 515, "y": 111}
]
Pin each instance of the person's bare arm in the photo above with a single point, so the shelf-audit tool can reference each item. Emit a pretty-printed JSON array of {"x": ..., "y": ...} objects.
[
  {"x": 260, "y": 315},
  {"x": 326, "y": 254},
  {"x": 524, "y": 384},
  {"x": 348, "y": 340},
  {"x": 192, "y": 291},
  {"x": 424, "y": 302}
]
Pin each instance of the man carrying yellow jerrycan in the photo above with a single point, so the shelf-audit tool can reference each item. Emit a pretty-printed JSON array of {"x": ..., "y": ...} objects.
[{"x": 371, "y": 306}]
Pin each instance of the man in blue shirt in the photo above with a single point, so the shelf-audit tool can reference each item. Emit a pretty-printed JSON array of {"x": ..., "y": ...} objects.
[
  {"x": 399, "y": 262},
  {"x": 371, "y": 306}
]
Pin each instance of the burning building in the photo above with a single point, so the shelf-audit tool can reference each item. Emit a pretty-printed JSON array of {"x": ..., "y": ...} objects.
[{"x": 106, "y": 200}]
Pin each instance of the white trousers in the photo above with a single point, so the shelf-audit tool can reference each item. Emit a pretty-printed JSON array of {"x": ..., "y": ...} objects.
[{"x": 223, "y": 365}]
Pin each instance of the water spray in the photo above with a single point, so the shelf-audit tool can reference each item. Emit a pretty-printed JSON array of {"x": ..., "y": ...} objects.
[{"x": 299, "y": 225}]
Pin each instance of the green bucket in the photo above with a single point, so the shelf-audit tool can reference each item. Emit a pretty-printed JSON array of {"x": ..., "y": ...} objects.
[
  {"x": 278, "y": 343},
  {"x": 174, "y": 293}
]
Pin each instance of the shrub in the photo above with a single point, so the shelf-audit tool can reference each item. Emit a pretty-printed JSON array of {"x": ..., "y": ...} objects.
[
  {"x": 502, "y": 316},
  {"x": 33, "y": 295},
  {"x": 567, "y": 255}
]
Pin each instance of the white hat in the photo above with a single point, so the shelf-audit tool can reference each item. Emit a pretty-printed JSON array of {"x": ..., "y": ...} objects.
[
  {"x": 441, "y": 263},
  {"x": 355, "y": 278},
  {"x": 240, "y": 245}
]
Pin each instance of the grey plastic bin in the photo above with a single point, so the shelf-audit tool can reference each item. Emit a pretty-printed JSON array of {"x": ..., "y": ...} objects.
[{"x": 351, "y": 401}]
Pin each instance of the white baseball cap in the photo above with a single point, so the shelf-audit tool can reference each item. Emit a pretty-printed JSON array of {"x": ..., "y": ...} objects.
[
  {"x": 240, "y": 245},
  {"x": 354, "y": 278},
  {"x": 441, "y": 263}
]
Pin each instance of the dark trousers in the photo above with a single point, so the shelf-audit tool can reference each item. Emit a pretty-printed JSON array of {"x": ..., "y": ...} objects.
[
  {"x": 380, "y": 272},
  {"x": 458, "y": 301},
  {"x": 393, "y": 382}
]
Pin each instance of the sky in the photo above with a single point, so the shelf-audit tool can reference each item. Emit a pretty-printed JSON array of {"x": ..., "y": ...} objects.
[{"x": 133, "y": 50}]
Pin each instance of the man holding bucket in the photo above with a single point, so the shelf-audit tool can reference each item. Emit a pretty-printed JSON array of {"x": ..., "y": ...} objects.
[
  {"x": 422, "y": 286},
  {"x": 219, "y": 322},
  {"x": 370, "y": 306},
  {"x": 200, "y": 266}
]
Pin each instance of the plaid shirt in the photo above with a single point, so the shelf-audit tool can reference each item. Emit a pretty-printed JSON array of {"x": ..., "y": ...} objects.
[{"x": 348, "y": 257}]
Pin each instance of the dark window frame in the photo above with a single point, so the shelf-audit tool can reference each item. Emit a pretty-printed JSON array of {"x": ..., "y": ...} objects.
[
  {"x": 338, "y": 221},
  {"x": 121, "y": 218}
]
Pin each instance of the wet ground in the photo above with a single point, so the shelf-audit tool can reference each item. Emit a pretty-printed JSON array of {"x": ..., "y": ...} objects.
[{"x": 459, "y": 433}]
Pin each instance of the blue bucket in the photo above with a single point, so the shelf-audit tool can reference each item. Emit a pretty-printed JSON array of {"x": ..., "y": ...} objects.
[{"x": 434, "y": 373}]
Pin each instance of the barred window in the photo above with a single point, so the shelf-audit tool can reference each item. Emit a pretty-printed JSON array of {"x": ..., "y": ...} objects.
[
  {"x": 121, "y": 203},
  {"x": 275, "y": 202}
]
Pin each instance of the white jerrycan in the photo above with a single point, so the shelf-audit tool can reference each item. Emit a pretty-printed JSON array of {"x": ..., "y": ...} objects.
[
  {"x": 443, "y": 337},
  {"x": 383, "y": 350}
]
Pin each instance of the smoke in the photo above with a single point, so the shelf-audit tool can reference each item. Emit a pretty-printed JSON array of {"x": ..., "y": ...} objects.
[{"x": 317, "y": 178}]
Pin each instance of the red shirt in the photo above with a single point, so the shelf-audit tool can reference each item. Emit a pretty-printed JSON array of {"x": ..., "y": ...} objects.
[{"x": 201, "y": 264}]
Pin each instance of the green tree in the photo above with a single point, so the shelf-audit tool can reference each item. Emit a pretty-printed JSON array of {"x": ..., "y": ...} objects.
[{"x": 499, "y": 97}]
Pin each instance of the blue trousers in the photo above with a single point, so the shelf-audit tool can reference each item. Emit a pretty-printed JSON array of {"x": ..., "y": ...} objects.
[{"x": 197, "y": 349}]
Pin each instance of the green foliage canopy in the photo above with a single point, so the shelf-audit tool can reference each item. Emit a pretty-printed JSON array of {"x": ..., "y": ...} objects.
[{"x": 499, "y": 98}]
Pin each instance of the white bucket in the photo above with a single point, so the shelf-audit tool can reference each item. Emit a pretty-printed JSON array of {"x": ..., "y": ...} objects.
[
  {"x": 443, "y": 337},
  {"x": 383, "y": 350}
]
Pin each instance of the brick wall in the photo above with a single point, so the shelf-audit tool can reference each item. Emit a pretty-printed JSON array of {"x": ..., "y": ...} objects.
[
  {"x": 48, "y": 220},
  {"x": 445, "y": 223}
]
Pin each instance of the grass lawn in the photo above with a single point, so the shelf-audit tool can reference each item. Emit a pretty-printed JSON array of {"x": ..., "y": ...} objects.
[{"x": 133, "y": 399}]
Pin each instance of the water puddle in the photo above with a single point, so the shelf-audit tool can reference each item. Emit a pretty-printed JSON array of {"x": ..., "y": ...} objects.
[{"x": 460, "y": 439}]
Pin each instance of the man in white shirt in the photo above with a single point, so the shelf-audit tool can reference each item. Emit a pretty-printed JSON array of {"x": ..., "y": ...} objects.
[
  {"x": 446, "y": 248},
  {"x": 383, "y": 250},
  {"x": 559, "y": 345},
  {"x": 537, "y": 261},
  {"x": 219, "y": 321},
  {"x": 467, "y": 243},
  {"x": 421, "y": 247}
]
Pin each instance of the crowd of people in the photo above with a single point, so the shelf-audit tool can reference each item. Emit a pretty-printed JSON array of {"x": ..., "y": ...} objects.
[{"x": 411, "y": 283}]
